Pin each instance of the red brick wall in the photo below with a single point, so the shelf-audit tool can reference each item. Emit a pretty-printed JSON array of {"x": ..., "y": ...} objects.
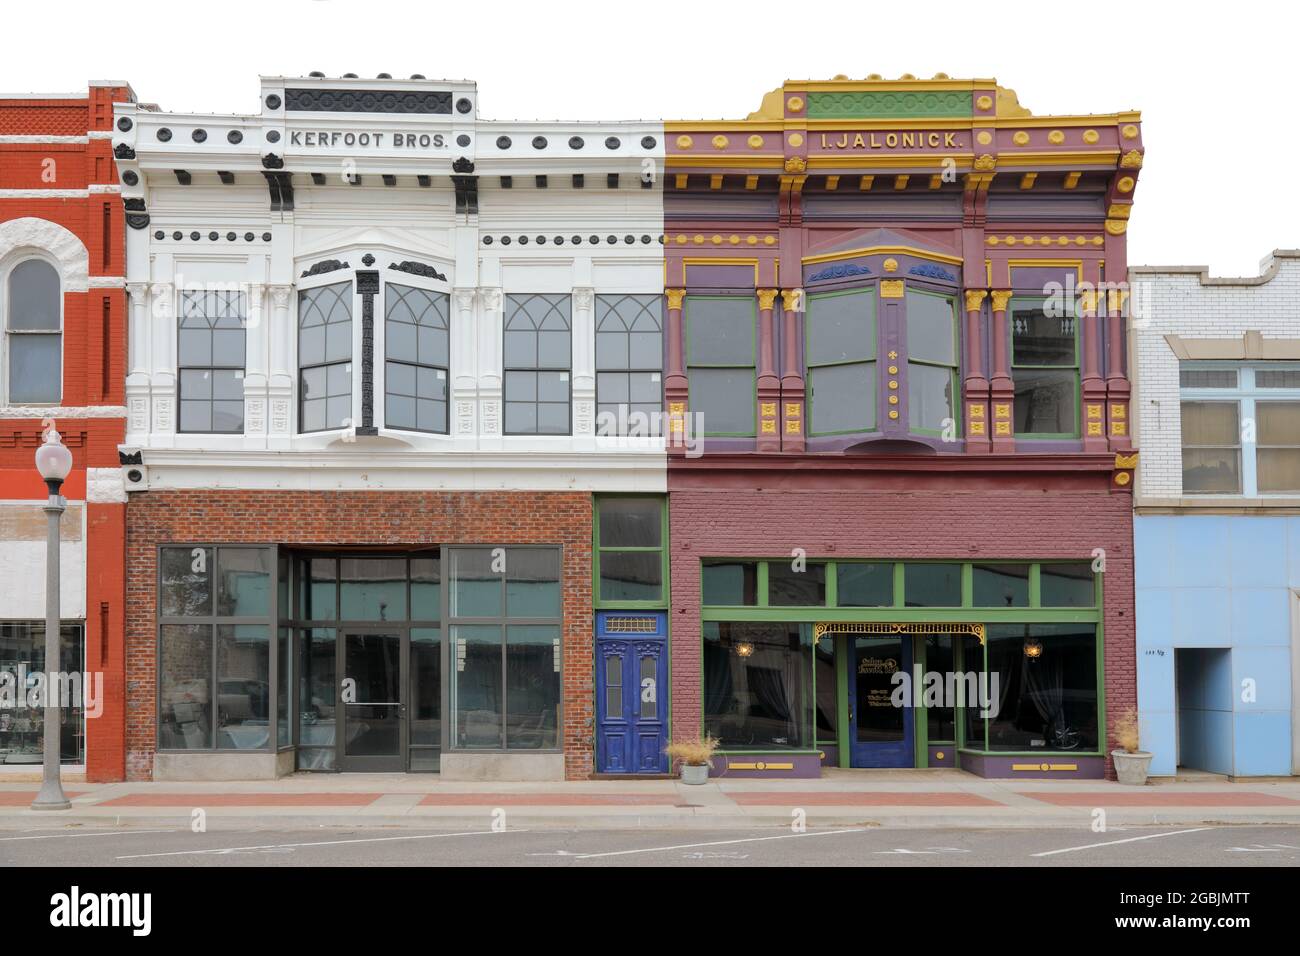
[
  {"x": 348, "y": 518},
  {"x": 878, "y": 522}
]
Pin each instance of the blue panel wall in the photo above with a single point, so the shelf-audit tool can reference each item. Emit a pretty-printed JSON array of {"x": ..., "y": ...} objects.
[{"x": 1217, "y": 581}]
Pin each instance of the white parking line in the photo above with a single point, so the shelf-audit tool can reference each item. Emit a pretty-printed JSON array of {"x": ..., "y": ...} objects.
[
  {"x": 692, "y": 846},
  {"x": 293, "y": 846},
  {"x": 1093, "y": 846},
  {"x": 64, "y": 836}
]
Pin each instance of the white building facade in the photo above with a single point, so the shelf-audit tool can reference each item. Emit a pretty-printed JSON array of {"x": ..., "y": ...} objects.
[
  {"x": 1217, "y": 524},
  {"x": 386, "y": 358}
]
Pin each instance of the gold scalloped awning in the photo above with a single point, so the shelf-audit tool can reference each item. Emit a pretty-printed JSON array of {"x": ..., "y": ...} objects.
[{"x": 964, "y": 629}]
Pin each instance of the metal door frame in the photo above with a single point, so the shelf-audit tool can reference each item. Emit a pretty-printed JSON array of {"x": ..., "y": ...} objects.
[{"x": 396, "y": 763}]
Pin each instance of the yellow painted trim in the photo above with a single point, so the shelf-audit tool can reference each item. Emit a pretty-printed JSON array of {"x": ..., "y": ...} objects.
[
  {"x": 1077, "y": 265},
  {"x": 883, "y": 250},
  {"x": 759, "y": 765},
  {"x": 960, "y": 123},
  {"x": 1012, "y": 157},
  {"x": 893, "y": 86},
  {"x": 1038, "y": 767},
  {"x": 920, "y": 161},
  {"x": 724, "y": 126},
  {"x": 688, "y": 261}
]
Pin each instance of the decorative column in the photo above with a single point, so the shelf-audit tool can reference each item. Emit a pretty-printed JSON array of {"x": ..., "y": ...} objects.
[
  {"x": 769, "y": 386},
  {"x": 140, "y": 365},
  {"x": 283, "y": 325},
  {"x": 584, "y": 363},
  {"x": 1118, "y": 388},
  {"x": 675, "y": 382},
  {"x": 162, "y": 335},
  {"x": 975, "y": 386},
  {"x": 793, "y": 392},
  {"x": 367, "y": 288},
  {"x": 257, "y": 359},
  {"x": 1092, "y": 387},
  {"x": 489, "y": 367},
  {"x": 464, "y": 378},
  {"x": 1002, "y": 390}
]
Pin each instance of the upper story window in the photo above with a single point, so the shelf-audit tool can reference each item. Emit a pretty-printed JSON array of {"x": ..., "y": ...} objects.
[
  {"x": 841, "y": 357},
  {"x": 417, "y": 347},
  {"x": 211, "y": 352},
  {"x": 629, "y": 361},
  {"x": 1044, "y": 369},
  {"x": 721, "y": 342},
  {"x": 33, "y": 309},
  {"x": 1241, "y": 428},
  {"x": 932, "y": 366},
  {"x": 325, "y": 357},
  {"x": 538, "y": 356}
]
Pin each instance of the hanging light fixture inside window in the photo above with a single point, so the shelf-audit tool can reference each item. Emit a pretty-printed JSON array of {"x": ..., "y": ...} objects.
[
  {"x": 745, "y": 649},
  {"x": 1033, "y": 648}
]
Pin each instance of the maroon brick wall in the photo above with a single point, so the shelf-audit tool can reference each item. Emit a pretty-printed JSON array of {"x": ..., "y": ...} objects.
[
  {"x": 872, "y": 518},
  {"x": 357, "y": 518}
]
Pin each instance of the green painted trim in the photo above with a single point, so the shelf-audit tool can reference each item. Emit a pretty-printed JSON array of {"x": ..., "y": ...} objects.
[
  {"x": 889, "y": 104},
  {"x": 1035, "y": 585},
  {"x": 832, "y": 585},
  {"x": 905, "y": 615},
  {"x": 843, "y": 650},
  {"x": 596, "y": 551},
  {"x": 760, "y": 585},
  {"x": 921, "y": 715},
  {"x": 900, "y": 591},
  {"x": 967, "y": 585}
]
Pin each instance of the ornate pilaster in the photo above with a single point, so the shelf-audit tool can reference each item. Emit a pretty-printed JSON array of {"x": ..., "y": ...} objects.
[
  {"x": 584, "y": 362},
  {"x": 793, "y": 393},
  {"x": 282, "y": 329},
  {"x": 1118, "y": 388},
  {"x": 1092, "y": 386},
  {"x": 768, "y": 386},
  {"x": 140, "y": 364},
  {"x": 1001, "y": 389},
  {"x": 675, "y": 388},
  {"x": 489, "y": 365},
  {"x": 975, "y": 386},
  {"x": 464, "y": 383},
  {"x": 162, "y": 335}
]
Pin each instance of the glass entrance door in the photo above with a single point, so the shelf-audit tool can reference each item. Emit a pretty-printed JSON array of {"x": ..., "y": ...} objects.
[
  {"x": 373, "y": 735},
  {"x": 881, "y": 733}
]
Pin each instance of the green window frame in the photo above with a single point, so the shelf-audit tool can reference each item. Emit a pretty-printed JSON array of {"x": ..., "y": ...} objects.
[
  {"x": 868, "y": 358},
  {"x": 600, "y": 550},
  {"x": 695, "y": 364},
  {"x": 1024, "y": 368},
  {"x": 953, "y": 367}
]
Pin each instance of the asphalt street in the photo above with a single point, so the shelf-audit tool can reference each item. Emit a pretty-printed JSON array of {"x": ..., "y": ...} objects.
[{"x": 553, "y": 847}]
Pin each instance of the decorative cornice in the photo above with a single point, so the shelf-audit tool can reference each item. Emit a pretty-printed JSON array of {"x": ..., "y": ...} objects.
[
  {"x": 328, "y": 265},
  {"x": 839, "y": 272},
  {"x": 422, "y": 269}
]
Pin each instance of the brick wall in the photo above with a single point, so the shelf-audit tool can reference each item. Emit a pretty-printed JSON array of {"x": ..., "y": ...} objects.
[
  {"x": 344, "y": 518},
  {"x": 877, "y": 522}
]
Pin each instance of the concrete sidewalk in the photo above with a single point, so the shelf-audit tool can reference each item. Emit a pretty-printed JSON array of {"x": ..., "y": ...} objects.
[{"x": 925, "y": 798}]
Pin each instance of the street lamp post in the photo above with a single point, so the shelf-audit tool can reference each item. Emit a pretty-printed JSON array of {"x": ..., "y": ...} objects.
[{"x": 53, "y": 461}]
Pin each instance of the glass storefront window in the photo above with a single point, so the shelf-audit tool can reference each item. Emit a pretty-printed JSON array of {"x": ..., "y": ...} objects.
[
  {"x": 827, "y": 690},
  {"x": 318, "y": 584},
  {"x": 532, "y": 686},
  {"x": 243, "y": 686},
  {"x": 426, "y": 589},
  {"x": 317, "y": 698},
  {"x": 940, "y": 721},
  {"x": 758, "y": 685},
  {"x": 372, "y": 589},
  {"x": 426, "y": 698},
  {"x": 1047, "y": 678},
  {"x": 1000, "y": 585},
  {"x": 185, "y": 687},
  {"x": 865, "y": 585},
  {"x": 1068, "y": 585},
  {"x": 22, "y": 728},
  {"x": 932, "y": 585}
]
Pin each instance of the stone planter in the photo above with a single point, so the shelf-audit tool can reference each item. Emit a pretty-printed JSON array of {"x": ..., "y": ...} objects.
[
  {"x": 1131, "y": 768},
  {"x": 695, "y": 775}
]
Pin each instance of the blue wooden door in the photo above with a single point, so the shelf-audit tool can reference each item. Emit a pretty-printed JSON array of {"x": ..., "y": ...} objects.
[
  {"x": 631, "y": 692},
  {"x": 881, "y": 734}
]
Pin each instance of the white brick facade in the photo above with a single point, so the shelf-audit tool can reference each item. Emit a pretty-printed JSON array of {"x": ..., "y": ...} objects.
[{"x": 1185, "y": 302}]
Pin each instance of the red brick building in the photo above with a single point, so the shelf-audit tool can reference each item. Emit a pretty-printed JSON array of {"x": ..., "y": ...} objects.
[
  {"x": 896, "y": 323},
  {"x": 63, "y": 358}
]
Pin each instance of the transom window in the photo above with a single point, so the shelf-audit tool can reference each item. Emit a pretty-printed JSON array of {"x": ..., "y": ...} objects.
[
  {"x": 720, "y": 362},
  {"x": 631, "y": 552},
  {"x": 538, "y": 356},
  {"x": 33, "y": 310},
  {"x": 325, "y": 357},
  {"x": 416, "y": 336},
  {"x": 1044, "y": 369},
  {"x": 1240, "y": 429},
  {"x": 629, "y": 362},
  {"x": 211, "y": 353}
]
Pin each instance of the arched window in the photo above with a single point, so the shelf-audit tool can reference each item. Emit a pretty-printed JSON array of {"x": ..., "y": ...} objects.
[{"x": 34, "y": 333}]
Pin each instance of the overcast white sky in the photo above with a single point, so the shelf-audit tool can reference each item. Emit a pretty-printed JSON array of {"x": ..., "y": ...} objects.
[{"x": 1216, "y": 82}]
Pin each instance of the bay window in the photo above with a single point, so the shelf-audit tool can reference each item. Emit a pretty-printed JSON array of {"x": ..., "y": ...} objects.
[
  {"x": 840, "y": 353},
  {"x": 932, "y": 365},
  {"x": 417, "y": 348},
  {"x": 325, "y": 357}
]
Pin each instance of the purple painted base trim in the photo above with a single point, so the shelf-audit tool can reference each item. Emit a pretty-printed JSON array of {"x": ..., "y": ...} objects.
[
  {"x": 774, "y": 764},
  {"x": 943, "y": 755},
  {"x": 830, "y": 755},
  {"x": 1006, "y": 768}
]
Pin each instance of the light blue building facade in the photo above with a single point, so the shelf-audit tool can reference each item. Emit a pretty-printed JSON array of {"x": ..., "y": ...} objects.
[{"x": 1217, "y": 524}]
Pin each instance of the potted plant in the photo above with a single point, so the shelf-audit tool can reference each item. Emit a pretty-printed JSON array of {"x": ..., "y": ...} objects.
[
  {"x": 695, "y": 757},
  {"x": 1131, "y": 762}
]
